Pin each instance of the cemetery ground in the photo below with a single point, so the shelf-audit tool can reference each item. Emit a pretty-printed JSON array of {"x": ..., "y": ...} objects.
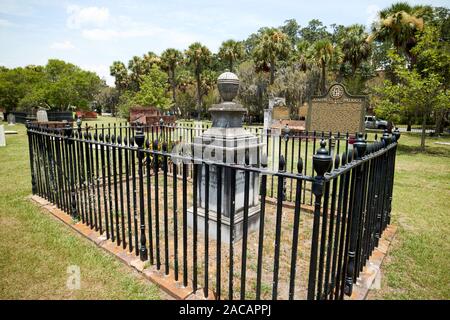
[{"x": 35, "y": 249}]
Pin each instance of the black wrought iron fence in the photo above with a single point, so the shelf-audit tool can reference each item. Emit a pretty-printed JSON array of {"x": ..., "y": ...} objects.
[
  {"x": 125, "y": 183},
  {"x": 293, "y": 145}
]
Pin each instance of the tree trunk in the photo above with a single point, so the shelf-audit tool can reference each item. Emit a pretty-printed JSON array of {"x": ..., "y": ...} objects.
[
  {"x": 354, "y": 66},
  {"x": 174, "y": 87},
  {"x": 199, "y": 96},
  {"x": 422, "y": 138},
  {"x": 272, "y": 71},
  {"x": 408, "y": 122},
  {"x": 231, "y": 65},
  {"x": 323, "y": 88},
  {"x": 438, "y": 126}
]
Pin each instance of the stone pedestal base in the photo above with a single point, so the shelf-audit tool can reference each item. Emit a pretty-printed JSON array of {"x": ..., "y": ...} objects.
[{"x": 238, "y": 227}]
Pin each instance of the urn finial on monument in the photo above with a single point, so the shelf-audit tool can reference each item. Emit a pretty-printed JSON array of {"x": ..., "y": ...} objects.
[
  {"x": 228, "y": 85},
  {"x": 227, "y": 114}
]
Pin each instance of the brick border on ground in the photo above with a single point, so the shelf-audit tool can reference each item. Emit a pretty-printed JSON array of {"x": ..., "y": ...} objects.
[
  {"x": 175, "y": 288},
  {"x": 370, "y": 276}
]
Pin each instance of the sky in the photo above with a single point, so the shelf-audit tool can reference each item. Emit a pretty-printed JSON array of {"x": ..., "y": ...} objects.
[{"x": 93, "y": 34}]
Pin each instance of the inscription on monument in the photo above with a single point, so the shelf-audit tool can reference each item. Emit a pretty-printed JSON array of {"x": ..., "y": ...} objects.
[{"x": 336, "y": 111}]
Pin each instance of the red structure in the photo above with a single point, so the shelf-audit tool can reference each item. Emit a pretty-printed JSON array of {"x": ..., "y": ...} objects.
[
  {"x": 148, "y": 115},
  {"x": 86, "y": 115}
]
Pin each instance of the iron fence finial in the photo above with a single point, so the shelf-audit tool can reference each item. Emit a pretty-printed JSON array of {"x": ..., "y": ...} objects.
[{"x": 322, "y": 160}]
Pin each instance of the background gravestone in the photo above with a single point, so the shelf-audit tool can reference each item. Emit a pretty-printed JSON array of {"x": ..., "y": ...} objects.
[
  {"x": 267, "y": 118},
  {"x": 336, "y": 111},
  {"x": 41, "y": 116},
  {"x": 279, "y": 109},
  {"x": 11, "y": 119},
  {"x": 2, "y": 136}
]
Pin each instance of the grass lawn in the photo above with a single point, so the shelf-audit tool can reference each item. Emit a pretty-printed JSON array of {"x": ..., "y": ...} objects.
[
  {"x": 36, "y": 249},
  {"x": 418, "y": 263}
]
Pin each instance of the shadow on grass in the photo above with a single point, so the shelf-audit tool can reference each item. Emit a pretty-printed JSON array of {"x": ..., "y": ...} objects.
[{"x": 438, "y": 151}]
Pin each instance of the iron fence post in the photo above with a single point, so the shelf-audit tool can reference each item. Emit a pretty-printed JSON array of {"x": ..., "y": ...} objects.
[
  {"x": 360, "y": 147},
  {"x": 384, "y": 215},
  {"x": 321, "y": 164},
  {"x": 73, "y": 204},
  {"x": 139, "y": 138},
  {"x": 30, "y": 148}
]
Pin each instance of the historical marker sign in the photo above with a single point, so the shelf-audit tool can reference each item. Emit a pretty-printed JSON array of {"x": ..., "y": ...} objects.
[{"x": 336, "y": 111}]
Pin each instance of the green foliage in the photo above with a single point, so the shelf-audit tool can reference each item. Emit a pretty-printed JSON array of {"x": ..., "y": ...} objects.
[
  {"x": 231, "y": 51},
  {"x": 314, "y": 31},
  {"x": 198, "y": 57},
  {"x": 355, "y": 47},
  {"x": 292, "y": 29},
  {"x": 272, "y": 45},
  {"x": 398, "y": 25},
  {"x": 16, "y": 83},
  {"x": 415, "y": 93},
  {"x": 107, "y": 99},
  {"x": 56, "y": 86},
  {"x": 170, "y": 60},
  {"x": 126, "y": 101},
  {"x": 432, "y": 54},
  {"x": 296, "y": 62},
  {"x": 185, "y": 100},
  {"x": 153, "y": 90},
  {"x": 322, "y": 52},
  {"x": 120, "y": 73},
  {"x": 253, "y": 88},
  {"x": 295, "y": 85}
]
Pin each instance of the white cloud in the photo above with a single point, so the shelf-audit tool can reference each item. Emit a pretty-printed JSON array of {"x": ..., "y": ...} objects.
[
  {"x": 87, "y": 16},
  {"x": 101, "y": 70},
  {"x": 372, "y": 12},
  {"x": 108, "y": 34},
  {"x": 121, "y": 27},
  {"x": 5, "y": 23},
  {"x": 64, "y": 45},
  {"x": 16, "y": 8}
]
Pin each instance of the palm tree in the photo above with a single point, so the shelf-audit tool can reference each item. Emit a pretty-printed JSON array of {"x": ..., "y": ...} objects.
[
  {"x": 322, "y": 53},
  {"x": 120, "y": 73},
  {"x": 197, "y": 56},
  {"x": 398, "y": 25},
  {"x": 136, "y": 66},
  {"x": 355, "y": 47},
  {"x": 148, "y": 60},
  {"x": 230, "y": 51},
  {"x": 300, "y": 58},
  {"x": 272, "y": 45},
  {"x": 170, "y": 59}
]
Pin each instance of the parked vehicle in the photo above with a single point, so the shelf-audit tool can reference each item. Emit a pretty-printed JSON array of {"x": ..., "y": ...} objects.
[{"x": 372, "y": 122}]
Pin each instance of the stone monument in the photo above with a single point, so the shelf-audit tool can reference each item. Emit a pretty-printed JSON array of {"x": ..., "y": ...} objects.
[
  {"x": 336, "y": 111},
  {"x": 267, "y": 119},
  {"x": 11, "y": 119},
  {"x": 2, "y": 136},
  {"x": 227, "y": 142},
  {"x": 41, "y": 116},
  {"x": 279, "y": 109}
]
